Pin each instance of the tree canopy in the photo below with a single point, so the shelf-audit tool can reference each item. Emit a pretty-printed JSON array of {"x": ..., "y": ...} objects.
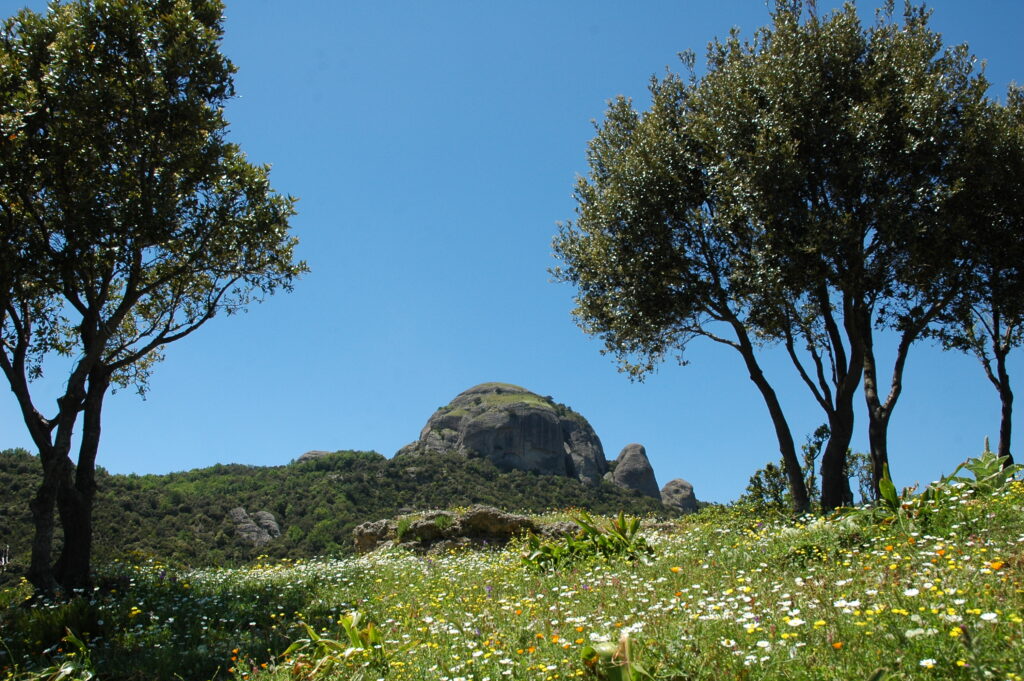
[
  {"x": 800, "y": 192},
  {"x": 987, "y": 317},
  {"x": 129, "y": 220}
]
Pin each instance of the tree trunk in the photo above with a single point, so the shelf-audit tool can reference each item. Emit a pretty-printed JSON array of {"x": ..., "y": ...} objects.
[
  {"x": 53, "y": 442},
  {"x": 76, "y": 498},
  {"x": 835, "y": 485},
  {"x": 834, "y": 477},
  {"x": 1006, "y": 401},
  {"x": 880, "y": 412},
  {"x": 878, "y": 440},
  {"x": 794, "y": 475},
  {"x": 72, "y": 568},
  {"x": 878, "y": 423},
  {"x": 40, "y": 571}
]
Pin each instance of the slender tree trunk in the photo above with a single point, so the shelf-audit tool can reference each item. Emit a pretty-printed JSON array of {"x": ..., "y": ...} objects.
[
  {"x": 878, "y": 422},
  {"x": 841, "y": 418},
  {"x": 1006, "y": 401},
  {"x": 76, "y": 497},
  {"x": 835, "y": 485},
  {"x": 794, "y": 475},
  {"x": 880, "y": 412}
]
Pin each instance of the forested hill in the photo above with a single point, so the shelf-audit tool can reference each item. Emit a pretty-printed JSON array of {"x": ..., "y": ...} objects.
[{"x": 184, "y": 518}]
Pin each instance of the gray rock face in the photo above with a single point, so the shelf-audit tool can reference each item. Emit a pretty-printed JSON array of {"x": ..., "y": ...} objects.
[
  {"x": 313, "y": 454},
  {"x": 267, "y": 521},
  {"x": 257, "y": 529},
  {"x": 441, "y": 530},
  {"x": 678, "y": 494},
  {"x": 633, "y": 471},
  {"x": 516, "y": 430},
  {"x": 488, "y": 522}
]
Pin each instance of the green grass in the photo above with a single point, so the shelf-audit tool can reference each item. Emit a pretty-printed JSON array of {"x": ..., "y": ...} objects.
[
  {"x": 503, "y": 399},
  {"x": 727, "y": 594}
]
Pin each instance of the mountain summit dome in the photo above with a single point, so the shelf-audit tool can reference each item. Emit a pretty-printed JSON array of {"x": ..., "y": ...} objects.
[{"x": 516, "y": 430}]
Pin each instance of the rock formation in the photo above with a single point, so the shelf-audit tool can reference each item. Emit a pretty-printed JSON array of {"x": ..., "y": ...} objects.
[
  {"x": 515, "y": 429},
  {"x": 441, "y": 530},
  {"x": 312, "y": 454},
  {"x": 633, "y": 471},
  {"x": 257, "y": 529},
  {"x": 678, "y": 494}
]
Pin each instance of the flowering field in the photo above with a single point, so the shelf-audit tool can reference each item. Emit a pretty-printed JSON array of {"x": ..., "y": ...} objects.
[{"x": 931, "y": 593}]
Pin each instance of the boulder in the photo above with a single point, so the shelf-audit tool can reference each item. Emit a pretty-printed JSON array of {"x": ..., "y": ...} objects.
[
  {"x": 431, "y": 526},
  {"x": 434, "y": 531},
  {"x": 370, "y": 535},
  {"x": 516, "y": 430},
  {"x": 487, "y": 522},
  {"x": 633, "y": 471},
  {"x": 678, "y": 494}
]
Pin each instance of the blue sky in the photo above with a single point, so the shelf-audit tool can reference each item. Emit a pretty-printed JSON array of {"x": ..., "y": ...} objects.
[{"x": 433, "y": 147}]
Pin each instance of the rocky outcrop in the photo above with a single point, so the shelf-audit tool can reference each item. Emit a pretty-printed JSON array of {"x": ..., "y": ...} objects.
[
  {"x": 633, "y": 471},
  {"x": 516, "y": 430},
  {"x": 312, "y": 454},
  {"x": 257, "y": 529},
  {"x": 267, "y": 521},
  {"x": 678, "y": 495},
  {"x": 369, "y": 536},
  {"x": 441, "y": 530}
]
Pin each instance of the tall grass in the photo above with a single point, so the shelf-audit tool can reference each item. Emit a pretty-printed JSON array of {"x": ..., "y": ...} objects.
[{"x": 726, "y": 594}]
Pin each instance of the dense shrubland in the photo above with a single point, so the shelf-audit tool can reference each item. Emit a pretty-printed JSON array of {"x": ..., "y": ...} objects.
[{"x": 182, "y": 518}]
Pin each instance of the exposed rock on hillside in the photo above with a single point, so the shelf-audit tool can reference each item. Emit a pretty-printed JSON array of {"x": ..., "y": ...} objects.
[
  {"x": 515, "y": 429},
  {"x": 257, "y": 529},
  {"x": 633, "y": 471},
  {"x": 313, "y": 454},
  {"x": 439, "y": 530},
  {"x": 678, "y": 494}
]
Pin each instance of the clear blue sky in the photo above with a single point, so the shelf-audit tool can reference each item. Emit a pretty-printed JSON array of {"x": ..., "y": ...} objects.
[{"x": 433, "y": 146}]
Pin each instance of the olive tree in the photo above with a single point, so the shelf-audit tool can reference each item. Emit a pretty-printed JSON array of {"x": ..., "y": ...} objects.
[
  {"x": 987, "y": 317},
  {"x": 844, "y": 161},
  {"x": 817, "y": 157},
  {"x": 654, "y": 252},
  {"x": 129, "y": 221}
]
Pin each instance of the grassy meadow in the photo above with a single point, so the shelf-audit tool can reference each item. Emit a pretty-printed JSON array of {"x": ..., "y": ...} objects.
[{"x": 930, "y": 588}]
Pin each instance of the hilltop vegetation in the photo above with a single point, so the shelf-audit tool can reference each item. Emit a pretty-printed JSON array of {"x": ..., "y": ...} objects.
[{"x": 182, "y": 518}]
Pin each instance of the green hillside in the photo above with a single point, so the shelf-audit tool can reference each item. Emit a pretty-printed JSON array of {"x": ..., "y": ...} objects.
[{"x": 182, "y": 518}]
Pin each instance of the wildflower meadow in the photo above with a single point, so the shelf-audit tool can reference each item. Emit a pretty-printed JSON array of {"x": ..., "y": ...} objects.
[{"x": 932, "y": 588}]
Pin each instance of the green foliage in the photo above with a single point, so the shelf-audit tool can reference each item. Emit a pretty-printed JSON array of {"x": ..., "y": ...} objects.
[
  {"x": 807, "y": 188},
  {"x": 618, "y": 539},
  {"x": 182, "y": 518},
  {"x": 729, "y": 594},
  {"x": 403, "y": 526},
  {"x": 858, "y": 467},
  {"x": 950, "y": 502},
  {"x": 608, "y": 661},
  {"x": 990, "y": 474},
  {"x": 443, "y": 521},
  {"x": 987, "y": 318},
  {"x": 360, "y": 652},
  {"x": 75, "y": 664},
  {"x": 768, "y": 488},
  {"x": 129, "y": 222}
]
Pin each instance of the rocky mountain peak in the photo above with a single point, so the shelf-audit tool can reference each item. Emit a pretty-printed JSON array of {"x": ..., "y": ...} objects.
[{"x": 515, "y": 429}]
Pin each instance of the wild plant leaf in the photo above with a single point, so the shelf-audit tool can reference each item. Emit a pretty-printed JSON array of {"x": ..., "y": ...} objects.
[{"x": 888, "y": 490}]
